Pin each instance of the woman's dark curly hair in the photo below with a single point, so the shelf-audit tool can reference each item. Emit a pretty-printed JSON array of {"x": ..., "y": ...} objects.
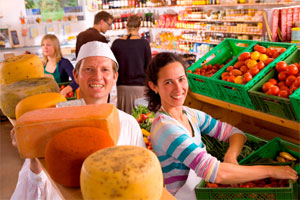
[{"x": 154, "y": 66}]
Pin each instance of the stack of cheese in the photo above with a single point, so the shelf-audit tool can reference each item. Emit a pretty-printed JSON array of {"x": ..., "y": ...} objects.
[{"x": 23, "y": 76}]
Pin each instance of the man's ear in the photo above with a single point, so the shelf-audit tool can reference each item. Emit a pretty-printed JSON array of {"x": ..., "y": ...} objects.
[
  {"x": 116, "y": 77},
  {"x": 152, "y": 86},
  {"x": 75, "y": 75}
]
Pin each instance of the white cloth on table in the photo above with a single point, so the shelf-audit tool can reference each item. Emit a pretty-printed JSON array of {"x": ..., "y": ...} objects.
[{"x": 33, "y": 186}]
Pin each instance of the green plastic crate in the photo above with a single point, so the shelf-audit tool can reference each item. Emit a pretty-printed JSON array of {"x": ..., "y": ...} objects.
[
  {"x": 75, "y": 93},
  {"x": 269, "y": 150},
  {"x": 295, "y": 97},
  {"x": 271, "y": 104},
  {"x": 238, "y": 93},
  {"x": 228, "y": 48}
]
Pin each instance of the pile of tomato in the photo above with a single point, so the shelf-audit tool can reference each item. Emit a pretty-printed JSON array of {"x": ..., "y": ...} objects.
[
  {"x": 286, "y": 82},
  {"x": 209, "y": 70},
  {"x": 250, "y": 63}
]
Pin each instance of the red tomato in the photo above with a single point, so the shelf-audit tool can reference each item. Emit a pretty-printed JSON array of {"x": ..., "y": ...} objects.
[
  {"x": 292, "y": 69},
  {"x": 231, "y": 78},
  {"x": 238, "y": 64},
  {"x": 235, "y": 72},
  {"x": 282, "y": 76},
  {"x": 224, "y": 74},
  {"x": 244, "y": 68},
  {"x": 281, "y": 66},
  {"x": 268, "y": 52},
  {"x": 253, "y": 71},
  {"x": 284, "y": 93},
  {"x": 276, "y": 54},
  {"x": 268, "y": 61},
  {"x": 261, "y": 49},
  {"x": 273, "y": 51},
  {"x": 282, "y": 50},
  {"x": 297, "y": 82},
  {"x": 244, "y": 56},
  {"x": 273, "y": 81},
  {"x": 229, "y": 68},
  {"x": 189, "y": 71},
  {"x": 284, "y": 88},
  {"x": 274, "y": 90},
  {"x": 266, "y": 86},
  {"x": 289, "y": 80},
  {"x": 260, "y": 65},
  {"x": 247, "y": 77},
  {"x": 281, "y": 83}
]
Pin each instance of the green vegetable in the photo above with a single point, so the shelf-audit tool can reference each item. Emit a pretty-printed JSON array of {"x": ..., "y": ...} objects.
[{"x": 136, "y": 112}]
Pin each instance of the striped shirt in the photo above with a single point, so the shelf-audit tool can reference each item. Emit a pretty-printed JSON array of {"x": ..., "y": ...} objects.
[{"x": 178, "y": 152}]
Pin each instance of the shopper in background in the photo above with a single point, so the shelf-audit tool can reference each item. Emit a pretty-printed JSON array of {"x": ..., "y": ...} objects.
[
  {"x": 58, "y": 67},
  {"x": 102, "y": 23},
  {"x": 96, "y": 73},
  {"x": 133, "y": 53},
  {"x": 176, "y": 136}
]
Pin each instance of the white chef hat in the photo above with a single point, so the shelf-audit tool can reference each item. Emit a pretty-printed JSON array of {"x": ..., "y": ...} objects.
[{"x": 96, "y": 48}]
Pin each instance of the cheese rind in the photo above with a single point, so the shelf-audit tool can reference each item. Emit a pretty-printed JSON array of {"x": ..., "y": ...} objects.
[
  {"x": 121, "y": 173},
  {"x": 21, "y": 67},
  {"x": 34, "y": 129},
  {"x": 38, "y": 101},
  {"x": 66, "y": 152},
  {"x": 12, "y": 93}
]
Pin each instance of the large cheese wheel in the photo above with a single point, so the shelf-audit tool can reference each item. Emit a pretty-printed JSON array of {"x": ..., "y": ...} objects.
[
  {"x": 21, "y": 67},
  {"x": 38, "y": 101},
  {"x": 122, "y": 173},
  {"x": 67, "y": 150},
  {"x": 34, "y": 129},
  {"x": 12, "y": 93}
]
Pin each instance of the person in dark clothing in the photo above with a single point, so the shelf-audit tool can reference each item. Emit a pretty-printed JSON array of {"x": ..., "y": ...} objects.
[
  {"x": 102, "y": 23},
  {"x": 61, "y": 69},
  {"x": 133, "y": 54}
]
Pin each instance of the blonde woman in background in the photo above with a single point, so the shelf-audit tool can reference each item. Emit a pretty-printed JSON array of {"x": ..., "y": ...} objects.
[
  {"x": 55, "y": 65},
  {"x": 133, "y": 53}
]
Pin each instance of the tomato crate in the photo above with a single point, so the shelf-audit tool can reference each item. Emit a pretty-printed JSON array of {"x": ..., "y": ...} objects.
[
  {"x": 238, "y": 93},
  {"x": 74, "y": 92},
  {"x": 228, "y": 48},
  {"x": 295, "y": 97},
  {"x": 272, "y": 104},
  {"x": 269, "y": 150}
]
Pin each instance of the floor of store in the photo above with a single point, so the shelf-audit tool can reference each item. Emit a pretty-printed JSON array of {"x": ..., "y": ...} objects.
[{"x": 10, "y": 162}]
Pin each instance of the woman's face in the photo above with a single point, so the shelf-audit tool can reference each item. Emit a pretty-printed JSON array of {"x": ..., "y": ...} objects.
[
  {"x": 172, "y": 85},
  {"x": 96, "y": 78},
  {"x": 48, "y": 48}
]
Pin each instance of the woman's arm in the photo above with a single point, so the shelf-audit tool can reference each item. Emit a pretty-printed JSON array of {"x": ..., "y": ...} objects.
[
  {"x": 68, "y": 68},
  {"x": 236, "y": 143},
  {"x": 230, "y": 174},
  {"x": 66, "y": 90}
]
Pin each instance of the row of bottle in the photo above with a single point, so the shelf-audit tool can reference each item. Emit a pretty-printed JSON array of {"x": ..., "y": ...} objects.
[
  {"x": 120, "y": 22},
  {"x": 119, "y": 4}
]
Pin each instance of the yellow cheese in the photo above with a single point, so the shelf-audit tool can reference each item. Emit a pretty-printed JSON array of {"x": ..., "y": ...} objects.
[
  {"x": 21, "y": 67},
  {"x": 122, "y": 173},
  {"x": 38, "y": 101},
  {"x": 35, "y": 128},
  {"x": 12, "y": 93}
]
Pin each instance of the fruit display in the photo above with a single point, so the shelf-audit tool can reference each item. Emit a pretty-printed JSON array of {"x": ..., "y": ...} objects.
[
  {"x": 250, "y": 63},
  {"x": 145, "y": 118},
  {"x": 286, "y": 81},
  {"x": 208, "y": 69},
  {"x": 50, "y": 121},
  {"x": 122, "y": 172}
]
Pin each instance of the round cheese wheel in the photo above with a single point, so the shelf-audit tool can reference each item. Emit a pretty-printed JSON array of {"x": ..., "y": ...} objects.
[
  {"x": 12, "y": 93},
  {"x": 122, "y": 172},
  {"x": 21, "y": 67},
  {"x": 66, "y": 152},
  {"x": 38, "y": 101}
]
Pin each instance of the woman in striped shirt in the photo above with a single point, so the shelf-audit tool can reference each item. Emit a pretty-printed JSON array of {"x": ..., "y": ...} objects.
[{"x": 176, "y": 133}]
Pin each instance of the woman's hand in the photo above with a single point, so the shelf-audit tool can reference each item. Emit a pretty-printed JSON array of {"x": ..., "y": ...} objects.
[
  {"x": 66, "y": 90},
  {"x": 284, "y": 172}
]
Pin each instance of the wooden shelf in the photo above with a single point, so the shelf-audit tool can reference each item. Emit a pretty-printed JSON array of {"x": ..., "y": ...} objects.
[{"x": 246, "y": 111}]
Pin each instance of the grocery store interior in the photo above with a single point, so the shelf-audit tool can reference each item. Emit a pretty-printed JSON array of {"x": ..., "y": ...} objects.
[{"x": 210, "y": 33}]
